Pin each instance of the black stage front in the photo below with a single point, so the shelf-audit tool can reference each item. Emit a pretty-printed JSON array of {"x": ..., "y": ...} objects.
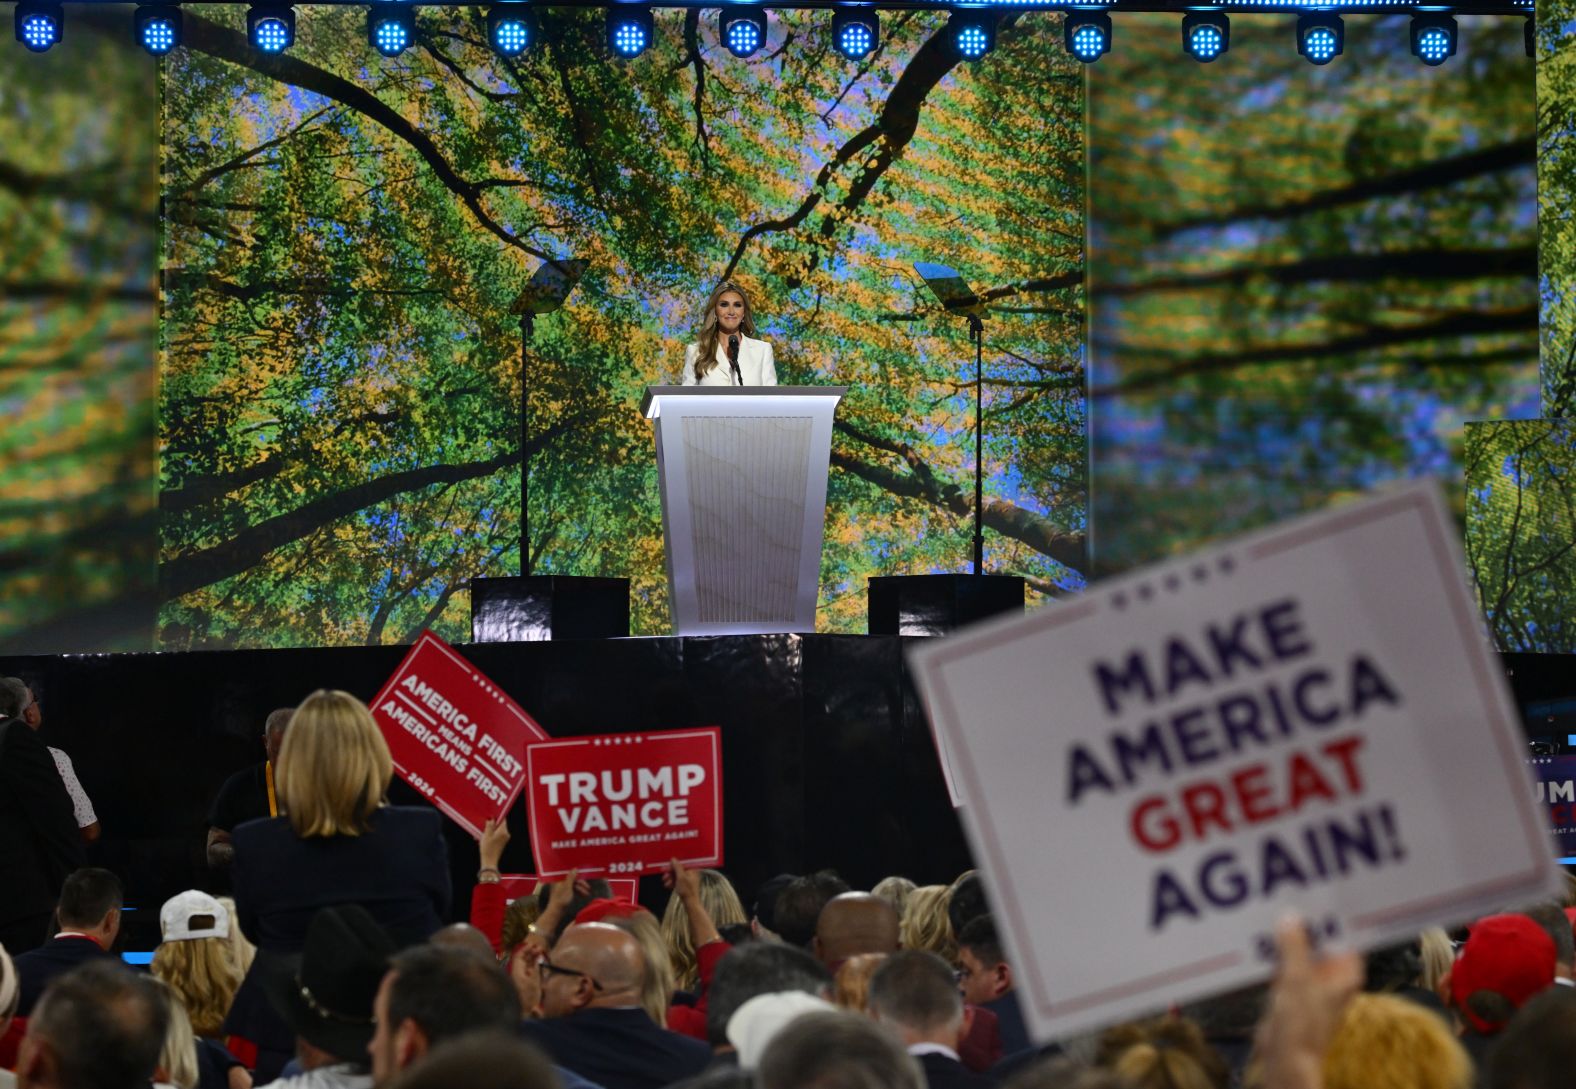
[
  {"x": 827, "y": 759},
  {"x": 827, "y": 756}
]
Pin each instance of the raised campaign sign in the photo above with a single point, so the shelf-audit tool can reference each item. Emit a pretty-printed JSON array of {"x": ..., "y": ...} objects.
[
  {"x": 626, "y": 890},
  {"x": 626, "y": 803},
  {"x": 454, "y": 735},
  {"x": 1555, "y": 781},
  {"x": 1304, "y": 719}
]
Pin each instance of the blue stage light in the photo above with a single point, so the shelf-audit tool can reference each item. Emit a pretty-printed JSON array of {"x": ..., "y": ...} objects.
[
  {"x": 1433, "y": 37},
  {"x": 39, "y": 25},
  {"x": 630, "y": 29},
  {"x": 511, "y": 28},
  {"x": 972, "y": 33},
  {"x": 391, "y": 28},
  {"x": 855, "y": 31},
  {"x": 271, "y": 27},
  {"x": 1088, "y": 35},
  {"x": 1320, "y": 36},
  {"x": 1205, "y": 35},
  {"x": 742, "y": 29},
  {"x": 158, "y": 27}
]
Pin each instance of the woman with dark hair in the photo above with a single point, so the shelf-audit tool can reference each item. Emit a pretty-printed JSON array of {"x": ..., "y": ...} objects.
[{"x": 726, "y": 351}]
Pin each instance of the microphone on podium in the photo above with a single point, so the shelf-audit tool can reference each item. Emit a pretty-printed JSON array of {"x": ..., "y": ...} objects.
[{"x": 733, "y": 358}]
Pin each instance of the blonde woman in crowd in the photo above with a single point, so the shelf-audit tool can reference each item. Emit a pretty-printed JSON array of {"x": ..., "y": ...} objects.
[
  {"x": 196, "y": 960},
  {"x": 657, "y": 991},
  {"x": 925, "y": 924},
  {"x": 1166, "y": 1053},
  {"x": 722, "y": 906},
  {"x": 895, "y": 891},
  {"x": 241, "y": 950},
  {"x": 1437, "y": 955},
  {"x": 1386, "y": 1042},
  {"x": 851, "y": 984},
  {"x": 177, "y": 1067}
]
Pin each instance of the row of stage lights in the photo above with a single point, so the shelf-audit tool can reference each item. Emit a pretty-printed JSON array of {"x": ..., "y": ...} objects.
[{"x": 511, "y": 28}]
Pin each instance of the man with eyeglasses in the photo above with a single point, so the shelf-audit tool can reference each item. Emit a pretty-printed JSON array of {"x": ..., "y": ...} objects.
[{"x": 593, "y": 1022}]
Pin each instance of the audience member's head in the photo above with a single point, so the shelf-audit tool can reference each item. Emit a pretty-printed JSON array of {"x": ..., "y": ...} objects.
[
  {"x": 1437, "y": 955},
  {"x": 98, "y": 1026},
  {"x": 966, "y": 901},
  {"x": 196, "y": 959},
  {"x": 1551, "y": 917},
  {"x": 334, "y": 766},
  {"x": 1507, "y": 959},
  {"x": 763, "y": 912},
  {"x": 596, "y": 889},
  {"x": 1537, "y": 1050},
  {"x": 1386, "y": 1042},
  {"x": 15, "y": 697},
  {"x": 851, "y": 983},
  {"x": 594, "y": 965},
  {"x": 518, "y": 918},
  {"x": 837, "y": 1051},
  {"x": 463, "y": 936},
  {"x": 1166, "y": 1053},
  {"x": 481, "y": 1060},
  {"x": 799, "y": 905},
  {"x": 10, "y": 990},
  {"x": 722, "y": 905},
  {"x": 756, "y": 969},
  {"x": 177, "y": 1063},
  {"x": 914, "y": 993},
  {"x": 274, "y": 731},
  {"x": 1392, "y": 968},
  {"x": 328, "y": 999},
  {"x": 1064, "y": 1073},
  {"x": 90, "y": 902},
  {"x": 656, "y": 988},
  {"x": 758, "y": 1022},
  {"x": 983, "y": 972},
  {"x": 926, "y": 925},
  {"x": 854, "y": 923},
  {"x": 895, "y": 890},
  {"x": 431, "y": 994}
]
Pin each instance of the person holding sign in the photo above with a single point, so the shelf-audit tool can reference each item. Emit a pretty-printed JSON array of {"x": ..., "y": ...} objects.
[
  {"x": 337, "y": 842},
  {"x": 726, "y": 352}
]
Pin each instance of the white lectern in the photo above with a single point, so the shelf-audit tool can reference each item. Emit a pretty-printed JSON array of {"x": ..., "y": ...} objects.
[{"x": 743, "y": 472}]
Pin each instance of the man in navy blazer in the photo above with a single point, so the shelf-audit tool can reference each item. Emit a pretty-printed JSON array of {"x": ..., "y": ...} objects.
[
  {"x": 89, "y": 915},
  {"x": 593, "y": 1021},
  {"x": 914, "y": 994}
]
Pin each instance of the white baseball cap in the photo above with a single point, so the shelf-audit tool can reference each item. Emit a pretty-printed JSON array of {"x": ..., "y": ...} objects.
[{"x": 190, "y": 915}]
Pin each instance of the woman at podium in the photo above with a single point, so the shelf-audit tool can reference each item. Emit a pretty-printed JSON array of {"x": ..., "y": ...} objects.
[{"x": 727, "y": 353}]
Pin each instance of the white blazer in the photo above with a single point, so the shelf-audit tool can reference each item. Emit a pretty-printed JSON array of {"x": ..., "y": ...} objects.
[{"x": 756, "y": 365}]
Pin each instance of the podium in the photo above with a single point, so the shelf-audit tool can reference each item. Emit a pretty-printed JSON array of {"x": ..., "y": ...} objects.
[{"x": 743, "y": 475}]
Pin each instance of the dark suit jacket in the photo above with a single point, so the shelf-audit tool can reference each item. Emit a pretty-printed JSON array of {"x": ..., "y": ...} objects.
[
  {"x": 944, "y": 1073},
  {"x": 36, "y": 969},
  {"x": 1009, "y": 1019},
  {"x": 619, "y": 1049},
  {"x": 39, "y": 842},
  {"x": 398, "y": 871}
]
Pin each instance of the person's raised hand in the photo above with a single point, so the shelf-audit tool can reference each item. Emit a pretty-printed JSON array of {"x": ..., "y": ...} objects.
[
  {"x": 1306, "y": 1002},
  {"x": 684, "y": 882},
  {"x": 495, "y": 837}
]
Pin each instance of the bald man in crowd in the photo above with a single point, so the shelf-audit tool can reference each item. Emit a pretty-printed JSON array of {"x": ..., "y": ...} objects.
[
  {"x": 593, "y": 1021},
  {"x": 851, "y": 924}
]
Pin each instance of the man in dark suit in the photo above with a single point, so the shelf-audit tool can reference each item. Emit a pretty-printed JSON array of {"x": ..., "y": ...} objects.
[
  {"x": 593, "y": 1022},
  {"x": 89, "y": 916},
  {"x": 985, "y": 978},
  {"x": 39, "y": 843},
  {"x": 914, "y": 994}
]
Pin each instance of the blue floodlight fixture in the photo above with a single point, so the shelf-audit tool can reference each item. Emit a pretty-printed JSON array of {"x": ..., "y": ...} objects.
[
  {"x": 158, "y": 27},
  {"x": 856, "y": 31},
  {"x": 742, "y": 28},
  {"x": 1088, "y": 35},
  {"x": 511, "y": 28},
  {"x": 1205, "y": 35},
  {"x": 391, "y": 28},
  {"x": 972, "y": 32},
  {"x": 1434, "y": 37},
  {"x": 1320, "y": 36},
  {"x": 39, "y": 24},
  {"x": 271, "y": 27},
  {"x": 630, "y": 29}
]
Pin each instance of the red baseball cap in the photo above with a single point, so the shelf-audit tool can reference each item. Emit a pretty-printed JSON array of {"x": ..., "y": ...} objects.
[
  {"x": 603, "y": 908},
  {"x": 1508, "y": 955}
]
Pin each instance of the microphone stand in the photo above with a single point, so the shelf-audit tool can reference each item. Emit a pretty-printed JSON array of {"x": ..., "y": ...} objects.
[{"x": 733, "y": 359}]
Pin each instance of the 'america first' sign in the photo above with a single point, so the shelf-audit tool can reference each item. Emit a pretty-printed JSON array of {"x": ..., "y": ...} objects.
[
  {"x": 1307, "y": 719},
  {"x": 626, "y": 803},
  {"x": 454, "y": 735}
]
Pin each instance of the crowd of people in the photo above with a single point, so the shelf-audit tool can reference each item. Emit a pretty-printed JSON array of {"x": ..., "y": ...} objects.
[{"x": 337, "y": 965}]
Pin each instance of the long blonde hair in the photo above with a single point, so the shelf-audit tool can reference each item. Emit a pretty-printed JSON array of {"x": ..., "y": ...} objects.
[
  {"x": 203, "y": 975},
  {"x": 721, "y": 903},
  {"x": 240, "y": 948},
  {"x": 334, "y": 766},
  {"x": 178, "y": 1056},
  {"x": 656, "y": 992},
  {"x": 925, "y": 924},
  {"x": 710, "y": 334}
]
